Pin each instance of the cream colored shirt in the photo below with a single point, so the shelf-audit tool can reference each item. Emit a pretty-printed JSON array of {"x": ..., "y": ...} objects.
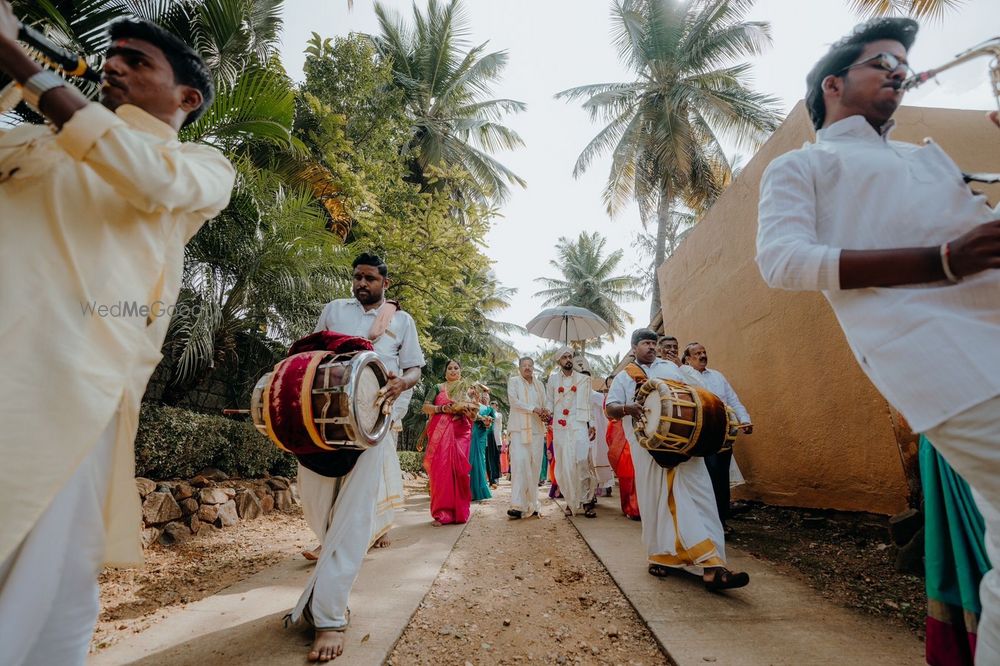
[
  {"x": 93, "y": 223},
  {"x": 524, "y": 398}
]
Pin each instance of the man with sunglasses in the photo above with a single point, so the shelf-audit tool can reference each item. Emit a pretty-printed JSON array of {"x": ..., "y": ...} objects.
[{"x": 906, "y": 254}]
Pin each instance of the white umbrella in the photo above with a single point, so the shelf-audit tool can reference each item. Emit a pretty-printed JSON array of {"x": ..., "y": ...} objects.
[{"x": 567, "y": 322}]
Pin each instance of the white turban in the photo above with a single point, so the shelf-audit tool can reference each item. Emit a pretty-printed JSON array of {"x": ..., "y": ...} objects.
[{"x": 565, "y": 350}]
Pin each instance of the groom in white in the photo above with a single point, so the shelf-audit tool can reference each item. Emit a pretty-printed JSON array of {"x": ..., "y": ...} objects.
[
  {"x": 568, "y": 398},
  {"x": 526, "y": 396}
]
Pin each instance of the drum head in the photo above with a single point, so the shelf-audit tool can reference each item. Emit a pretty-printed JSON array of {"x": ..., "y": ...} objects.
[
  {"x": 653, "y": 409},
  {"x": 367, "y": 410}
]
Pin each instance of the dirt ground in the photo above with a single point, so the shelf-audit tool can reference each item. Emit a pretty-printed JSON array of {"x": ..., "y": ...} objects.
[
  {"x": 520, "y": 591},
  {"x": 134, "y": 599},
  {"x": 847, "y": 557}
]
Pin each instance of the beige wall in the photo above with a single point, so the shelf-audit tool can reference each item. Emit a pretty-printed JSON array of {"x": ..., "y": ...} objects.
[{"x": 823, "y": 435}]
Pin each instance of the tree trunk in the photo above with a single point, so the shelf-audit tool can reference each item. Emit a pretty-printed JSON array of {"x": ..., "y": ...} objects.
[{"x": 663, "y": 221}]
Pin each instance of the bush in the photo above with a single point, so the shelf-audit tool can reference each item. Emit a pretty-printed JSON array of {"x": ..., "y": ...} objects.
[
  {"x": 177, "y": 443},
  {"x": 411, "y": 461}
]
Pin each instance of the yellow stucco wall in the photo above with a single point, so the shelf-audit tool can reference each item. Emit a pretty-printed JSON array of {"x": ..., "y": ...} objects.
[{"x": 823, "y": 435}]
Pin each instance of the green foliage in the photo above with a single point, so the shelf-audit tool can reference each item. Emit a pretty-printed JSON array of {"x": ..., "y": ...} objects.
[
  {"x": 589, "y": 281},
  {"x": 411, "y": 461},
  {"x": 177, "y": 443}
]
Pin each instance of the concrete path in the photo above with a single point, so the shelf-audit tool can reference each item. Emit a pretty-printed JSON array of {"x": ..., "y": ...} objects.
[
  {"x": 775, "y": 620},
  {"x": 242, "y": 624}
]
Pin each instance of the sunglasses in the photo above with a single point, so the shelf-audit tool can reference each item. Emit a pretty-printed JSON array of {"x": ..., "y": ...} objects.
[{"x": 883, "y": 61}]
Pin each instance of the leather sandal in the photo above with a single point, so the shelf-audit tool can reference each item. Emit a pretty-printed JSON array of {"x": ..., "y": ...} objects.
[{"x": 724, "y": 579}]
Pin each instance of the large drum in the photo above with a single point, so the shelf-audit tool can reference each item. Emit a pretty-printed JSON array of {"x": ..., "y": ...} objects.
[
  {"x": 682, "y": 422},
  {"x": 326, "y": 408}
]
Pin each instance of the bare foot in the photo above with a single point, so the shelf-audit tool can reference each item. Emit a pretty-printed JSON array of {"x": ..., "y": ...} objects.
[
  {"x": 382, "y": 542},
  {"x": 327, "y": 646},
  {"x": 312, "y": 555},
  {"x": 437, "y": 523}
]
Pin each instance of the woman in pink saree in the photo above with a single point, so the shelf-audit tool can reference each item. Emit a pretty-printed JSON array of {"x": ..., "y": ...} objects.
[{"x": 449, "y": 435}]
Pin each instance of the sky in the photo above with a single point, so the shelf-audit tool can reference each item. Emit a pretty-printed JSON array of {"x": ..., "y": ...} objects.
[{"x": 558, "y": 44}]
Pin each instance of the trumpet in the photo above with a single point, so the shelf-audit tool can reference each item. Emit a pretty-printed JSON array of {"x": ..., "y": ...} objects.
[{"x": 991, "y": 47}]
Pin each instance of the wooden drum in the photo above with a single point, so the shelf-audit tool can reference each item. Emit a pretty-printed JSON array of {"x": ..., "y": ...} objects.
[
  {"x": 682, "y": 422},
  {"x": 318, "y": 403}
]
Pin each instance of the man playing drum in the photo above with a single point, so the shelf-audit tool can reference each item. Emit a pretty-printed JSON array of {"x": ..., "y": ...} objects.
[
  {"x": 96, "y": 208},
  {"x": 906, "y": 254},
  {"x": 689, "y": 537},
  {"x": 347, "y": 512}
]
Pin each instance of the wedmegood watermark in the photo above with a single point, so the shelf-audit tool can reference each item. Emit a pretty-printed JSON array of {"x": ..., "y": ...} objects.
[{"x": 155, "y": 309}]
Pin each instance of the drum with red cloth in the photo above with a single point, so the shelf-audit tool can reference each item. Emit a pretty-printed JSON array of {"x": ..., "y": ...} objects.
[
  {"x": 681, "y": 422},
  {"x": 324, "y": 403}
]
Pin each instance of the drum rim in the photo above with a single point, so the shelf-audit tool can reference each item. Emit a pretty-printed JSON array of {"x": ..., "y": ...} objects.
[{"x": 361, "y": 361}]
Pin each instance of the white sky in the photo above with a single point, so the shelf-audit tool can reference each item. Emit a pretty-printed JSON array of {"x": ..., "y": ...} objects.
[{"x": 558, "y": 44}]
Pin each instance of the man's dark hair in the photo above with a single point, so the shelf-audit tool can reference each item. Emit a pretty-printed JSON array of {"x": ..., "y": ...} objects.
[
  {"x": 365, "y": 259},
  {"x": 643, "y": 334},
  {"x": 521, "y": 360},
  {"x": 687, "y": 351},
  {"x": 844, "y": 53},
  {"x": 189, "y": 68}
]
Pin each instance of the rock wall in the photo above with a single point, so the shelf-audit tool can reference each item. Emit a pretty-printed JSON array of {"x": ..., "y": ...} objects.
[{"x": 174, "y": 511}]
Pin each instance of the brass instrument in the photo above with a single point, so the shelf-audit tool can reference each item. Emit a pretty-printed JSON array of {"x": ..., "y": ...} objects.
[{"x": 991, "y": 47}]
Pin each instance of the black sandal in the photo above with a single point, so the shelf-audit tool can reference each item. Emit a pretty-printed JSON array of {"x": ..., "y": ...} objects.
[
  {"x": 724, "y": 579},
  {"x": 659, "y": 570}
]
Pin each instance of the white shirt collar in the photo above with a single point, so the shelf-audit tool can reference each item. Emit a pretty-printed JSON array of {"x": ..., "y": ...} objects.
[{"x": 854, "y": 127}]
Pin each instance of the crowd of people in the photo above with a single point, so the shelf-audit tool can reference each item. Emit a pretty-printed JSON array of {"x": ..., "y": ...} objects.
[{"x": 101, "y": 202}]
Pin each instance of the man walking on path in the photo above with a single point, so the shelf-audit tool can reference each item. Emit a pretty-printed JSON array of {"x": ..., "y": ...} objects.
[
  {"x": 526, "y": 397},
  {"x": 696, "y": 358},
  {"x": 680, "y": 523},
  {"x": 568, "y": 399}
]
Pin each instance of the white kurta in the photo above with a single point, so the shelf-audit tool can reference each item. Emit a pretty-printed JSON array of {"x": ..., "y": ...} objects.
[
  {"x": 680, "y": 521},
  {"x": 94, "y": 223},
  {"x": 568, "y": 398},
  {"x": 527, "y": 442},
  {"x": 716, "y": 382},
  {"x": 398, "y": 349}
]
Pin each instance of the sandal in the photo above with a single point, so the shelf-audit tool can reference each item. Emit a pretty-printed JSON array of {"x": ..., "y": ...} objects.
[
  {"x": 590, "y": 512},
  {"x": 724, "y": 579},
  {"x": 659, "y": 570}
]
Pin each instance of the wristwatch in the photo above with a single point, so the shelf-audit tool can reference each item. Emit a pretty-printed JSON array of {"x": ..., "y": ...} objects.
[{"x": 39, "y": 84}]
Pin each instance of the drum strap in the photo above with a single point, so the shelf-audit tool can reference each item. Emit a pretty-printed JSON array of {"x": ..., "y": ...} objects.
[{"x": 637, "y": 374}]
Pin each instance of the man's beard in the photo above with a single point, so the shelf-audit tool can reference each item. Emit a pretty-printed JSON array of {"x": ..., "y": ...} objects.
[{"x": 368, "y": 298}]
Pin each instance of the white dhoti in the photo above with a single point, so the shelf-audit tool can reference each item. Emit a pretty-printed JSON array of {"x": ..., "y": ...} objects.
[
  {"x": 574, "y": 468},
  {"x": 970, "y": 442},
  {"x": 48, "y": 586},
  {"x": 680, "y": 521},
  {"x": 390, "y": 489},
  {"x": 525, "y": 468},
  {"x": 341, "y": 511}
]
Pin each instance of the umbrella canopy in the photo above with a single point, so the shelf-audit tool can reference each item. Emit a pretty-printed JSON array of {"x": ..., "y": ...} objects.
[{"x": 567, "y": 322}]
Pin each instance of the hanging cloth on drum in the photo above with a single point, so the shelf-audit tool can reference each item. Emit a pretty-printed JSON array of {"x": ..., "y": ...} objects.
[
  {"x": 637, "y": 374},
  {"x": 331, "y": 341}
]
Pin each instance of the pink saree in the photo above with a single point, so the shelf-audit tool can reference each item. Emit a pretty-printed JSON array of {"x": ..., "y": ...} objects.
[{"x": 447, "y": 464}]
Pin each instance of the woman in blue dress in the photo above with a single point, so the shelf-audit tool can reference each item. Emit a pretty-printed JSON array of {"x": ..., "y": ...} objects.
[{"x": 477, "y": 452}]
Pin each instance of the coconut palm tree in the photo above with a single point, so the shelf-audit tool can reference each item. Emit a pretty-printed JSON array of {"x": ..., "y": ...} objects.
[
  {"x": 447, "y": 88},
  {"x": 915, "y": 8},
  {"x": 691, "y": 88},
  {"x": 589, "y": 280}
]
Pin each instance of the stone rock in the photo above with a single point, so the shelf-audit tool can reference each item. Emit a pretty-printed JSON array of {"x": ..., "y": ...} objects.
[
  {"x": 261, "y": 491},
  {"x": 200, "y": 482},
  {"x": 283, "y": 500},
  {"x": 267, "y": 503},
  {"x": 183, "y": 490},
  {"x": 278, "y": 483},
  {"x": 175, "y": 532},
  {"x": 230, "y": 492},
  {"x": 208, "y": 512},
  {"x": 213, "y": 474},
  {"x": 194, "y": 524},
  {"x": 189, "y": 506},
  {"x": 160, "y": 508},
  {"x": 144, "y": 486},
  {"x": 294, "y": 487},
  {"x": 228, "y": 516},
  {"x": 248, "y": 506},
  {"x": 150, "y": 535},
  {"x": 213, "y": 496},
  {"x": 165, "y": 487}
]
